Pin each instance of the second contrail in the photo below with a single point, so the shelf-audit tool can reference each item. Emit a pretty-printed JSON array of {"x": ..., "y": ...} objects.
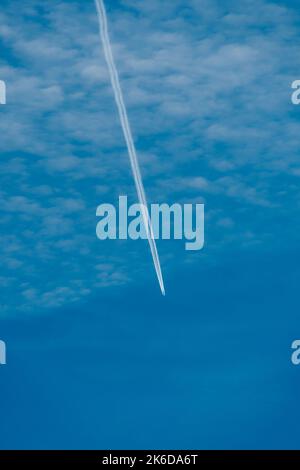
[{"x": 114, "y": 77}]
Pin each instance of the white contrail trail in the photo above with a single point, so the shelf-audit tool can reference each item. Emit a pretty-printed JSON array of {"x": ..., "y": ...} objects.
[{"x": 114, "y": 77}]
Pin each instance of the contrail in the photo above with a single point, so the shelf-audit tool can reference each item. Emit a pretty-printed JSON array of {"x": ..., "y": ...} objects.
[{"x": 114, "y": 77}]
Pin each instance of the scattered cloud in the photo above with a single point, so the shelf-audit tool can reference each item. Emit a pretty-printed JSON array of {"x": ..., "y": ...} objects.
[{"x": 207, "y": 86}]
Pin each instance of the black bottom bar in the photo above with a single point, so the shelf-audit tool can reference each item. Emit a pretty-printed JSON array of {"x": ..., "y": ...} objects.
[{"x": 135, "y": 459}]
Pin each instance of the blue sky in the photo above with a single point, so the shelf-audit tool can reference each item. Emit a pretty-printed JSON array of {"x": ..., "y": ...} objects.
[{"x": 96, "y": 357}]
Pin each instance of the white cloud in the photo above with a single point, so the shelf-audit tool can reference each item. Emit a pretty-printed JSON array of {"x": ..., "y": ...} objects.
[{"x": 207, "y": 88}]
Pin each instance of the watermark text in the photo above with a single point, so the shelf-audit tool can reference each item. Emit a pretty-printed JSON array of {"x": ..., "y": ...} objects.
[
  {"x": 176, "y": 221},
  {"x": 2, "y": 92},
  {"x": 295, "y": 358},
  {"x": 2, "y": 353}
]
